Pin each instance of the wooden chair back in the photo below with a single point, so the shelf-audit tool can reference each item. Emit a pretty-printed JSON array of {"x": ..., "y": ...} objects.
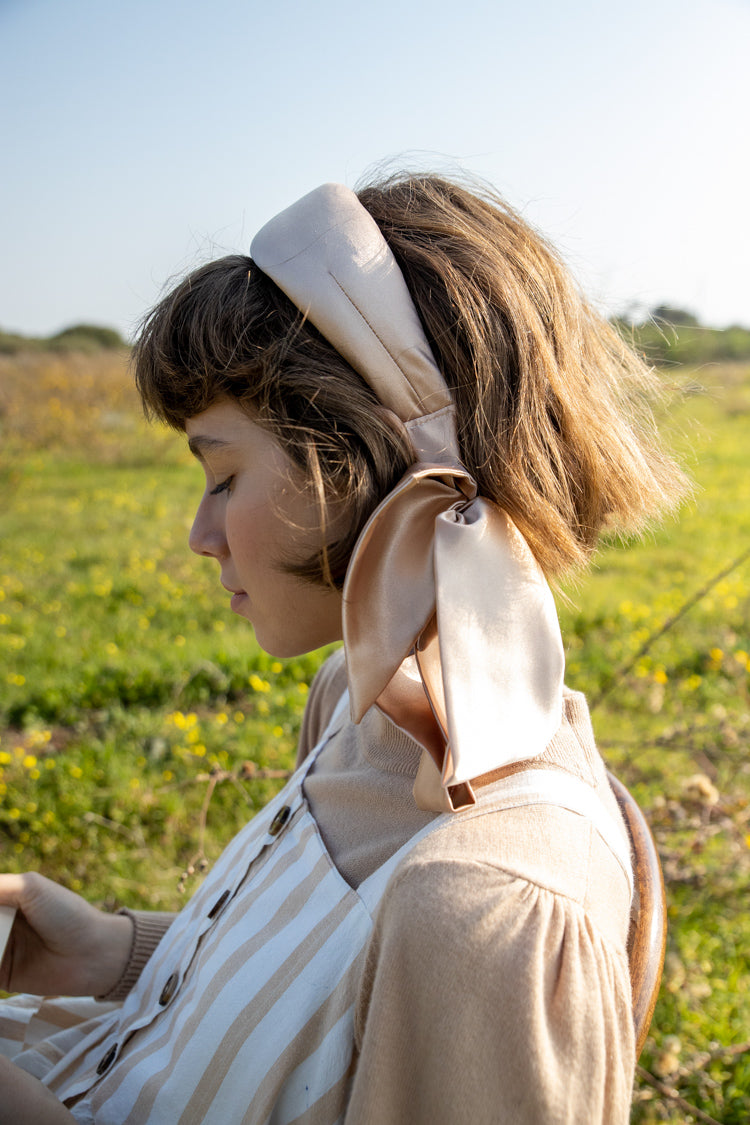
[{"x": 648, "y": 917}]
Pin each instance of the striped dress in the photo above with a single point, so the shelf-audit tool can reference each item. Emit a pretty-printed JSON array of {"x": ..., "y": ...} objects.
[{"x": 245, "y": 1012}]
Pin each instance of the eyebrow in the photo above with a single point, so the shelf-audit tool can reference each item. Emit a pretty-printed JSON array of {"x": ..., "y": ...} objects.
[{"x": 202, "y": 444}]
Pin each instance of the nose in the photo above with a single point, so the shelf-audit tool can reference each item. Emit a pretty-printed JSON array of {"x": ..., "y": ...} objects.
[{"x": 207, "y": 533}]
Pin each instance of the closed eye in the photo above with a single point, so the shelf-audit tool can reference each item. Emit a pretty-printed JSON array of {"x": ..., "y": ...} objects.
[{"x": 222, "y": 487}]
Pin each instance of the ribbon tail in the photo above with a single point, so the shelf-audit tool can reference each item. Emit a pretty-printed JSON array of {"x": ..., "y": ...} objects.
[{"x": 501, "y": 652}]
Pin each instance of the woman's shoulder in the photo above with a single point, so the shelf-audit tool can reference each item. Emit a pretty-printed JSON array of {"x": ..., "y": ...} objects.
[
  {"x": 503, "y": 905},
  {"x": 556, "y": 861},
  {"x": 514, "y": 961},
  {"x": 325, "y": 691}
]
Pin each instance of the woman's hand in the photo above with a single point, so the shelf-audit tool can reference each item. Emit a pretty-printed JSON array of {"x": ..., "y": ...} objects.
[
  {"x": 25, "y": 1101},
  {"x": 59, "y": 944}
]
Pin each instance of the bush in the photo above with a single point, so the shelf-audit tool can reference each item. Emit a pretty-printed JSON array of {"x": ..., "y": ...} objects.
[
  {"x": 671, "y": 336},
  {"x": 85, "y": 338},
  {"x": 89, "y": 338}
]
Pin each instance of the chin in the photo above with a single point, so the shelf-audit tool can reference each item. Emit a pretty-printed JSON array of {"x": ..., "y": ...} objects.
[{"x": 286, "y": 647}]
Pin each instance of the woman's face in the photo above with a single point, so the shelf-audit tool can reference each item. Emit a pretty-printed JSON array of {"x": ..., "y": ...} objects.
[{"x": 255, "y": 515}]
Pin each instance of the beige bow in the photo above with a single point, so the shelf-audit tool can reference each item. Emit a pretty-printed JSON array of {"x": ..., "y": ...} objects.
[{"x": 449, "y": 624}]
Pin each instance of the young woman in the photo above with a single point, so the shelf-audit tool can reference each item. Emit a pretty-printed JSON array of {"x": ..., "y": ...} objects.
[{"x": 407, "y": 416}]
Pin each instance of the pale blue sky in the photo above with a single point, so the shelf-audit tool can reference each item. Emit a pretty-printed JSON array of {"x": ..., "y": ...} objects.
[{"x": 141, "y": 138}]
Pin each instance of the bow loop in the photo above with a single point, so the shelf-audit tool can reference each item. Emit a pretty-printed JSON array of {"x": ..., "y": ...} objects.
[
  {"x": 443, "y": 574},
  {"x": 389, "y": 591}
]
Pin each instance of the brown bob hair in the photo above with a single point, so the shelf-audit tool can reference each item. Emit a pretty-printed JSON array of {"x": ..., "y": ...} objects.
[{"x": 553, "y": 408}]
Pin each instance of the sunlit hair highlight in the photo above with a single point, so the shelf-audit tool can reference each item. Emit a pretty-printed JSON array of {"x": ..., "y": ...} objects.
[{"x": 553, "y": 409}]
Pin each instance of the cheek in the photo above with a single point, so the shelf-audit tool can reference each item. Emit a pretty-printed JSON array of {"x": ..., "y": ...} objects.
[
  {"x": 241, "y": 535},
  {"x": 253, "y": 534}
]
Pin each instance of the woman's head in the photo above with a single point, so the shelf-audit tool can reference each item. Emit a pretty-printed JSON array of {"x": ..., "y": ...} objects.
[
  {"x": 227, "y": 331},
  {"x": 254, "y": 517},
  {"x": 552, "y": 408}
]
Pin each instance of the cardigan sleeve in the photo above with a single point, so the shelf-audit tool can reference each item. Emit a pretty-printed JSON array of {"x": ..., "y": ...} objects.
[
  {"x": 149, "y": 927},
  {"x": 487, "y": 999}
]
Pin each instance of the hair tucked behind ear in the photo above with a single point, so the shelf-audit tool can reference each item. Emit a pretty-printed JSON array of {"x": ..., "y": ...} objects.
[{"x": 552, "y": 406}]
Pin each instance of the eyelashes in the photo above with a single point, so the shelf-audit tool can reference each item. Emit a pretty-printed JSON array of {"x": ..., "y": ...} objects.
[{"x": 223, "y": 487}]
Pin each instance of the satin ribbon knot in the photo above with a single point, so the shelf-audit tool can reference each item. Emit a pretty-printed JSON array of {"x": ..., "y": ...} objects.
[{"x": 450, "y": 628}]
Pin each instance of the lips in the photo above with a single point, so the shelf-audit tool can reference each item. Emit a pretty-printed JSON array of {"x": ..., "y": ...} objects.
[
  {"x": 231, "y": 589},
  {"x": 239, "y": 597}
]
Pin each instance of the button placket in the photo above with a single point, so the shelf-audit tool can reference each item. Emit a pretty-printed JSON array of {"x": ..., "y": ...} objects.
[
  {"x": 184, "y": 954},
  {"x": 279, "y": 822},
  {"x": 177, "y": 962}
]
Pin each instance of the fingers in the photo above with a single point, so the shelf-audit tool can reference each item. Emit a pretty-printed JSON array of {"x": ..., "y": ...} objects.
[
  {"x": 46, "y": 906},
  {"x": 12, "y": 889},
  {"x": 60, "y": 944}
]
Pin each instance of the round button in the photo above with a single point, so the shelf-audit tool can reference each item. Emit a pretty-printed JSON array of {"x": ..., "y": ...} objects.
[
  {"x": 218, "y": 904},
  {"x": 169, "y": 990},
  {"x": 108, "y": 1059},
  {"x": 278, "y": 822}
]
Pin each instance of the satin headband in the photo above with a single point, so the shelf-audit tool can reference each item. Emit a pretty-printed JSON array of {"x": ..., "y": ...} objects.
[{"x": 449, "y": 624}]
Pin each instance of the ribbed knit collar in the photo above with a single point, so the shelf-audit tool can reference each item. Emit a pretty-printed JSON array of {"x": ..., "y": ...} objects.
[{"x": 387, "y": 747}]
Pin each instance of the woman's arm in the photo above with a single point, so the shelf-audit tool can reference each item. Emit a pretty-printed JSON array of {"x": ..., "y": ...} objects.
[
  {"x": 487, "y": 998},
  {"x": 25, "y": 1101},
  {"x": 59, "y": 944}
]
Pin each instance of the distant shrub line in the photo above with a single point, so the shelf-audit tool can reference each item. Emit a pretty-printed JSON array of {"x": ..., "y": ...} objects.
[
  {"x": 77, "y": 338},
  {"x": 666, "y": 337},
  {"x": 671, "y": 337}
]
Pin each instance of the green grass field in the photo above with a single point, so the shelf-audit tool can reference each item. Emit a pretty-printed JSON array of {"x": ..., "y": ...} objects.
[{"x": 140, "y": 725}]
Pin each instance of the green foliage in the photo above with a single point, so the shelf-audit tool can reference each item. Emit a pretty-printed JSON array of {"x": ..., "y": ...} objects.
[
  {"x": 671, "y": 337},
  {"x": 668, "y": 314},
  {"x": 87, "y": 338},
  {"x": 140, "y": 725},
  {"x": 11, "y": 343},
  {"x": 671, "y": 711}
]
